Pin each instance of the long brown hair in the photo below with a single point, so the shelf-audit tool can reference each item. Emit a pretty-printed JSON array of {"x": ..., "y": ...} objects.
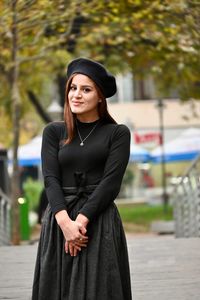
[{"x": 69, "y": 117}]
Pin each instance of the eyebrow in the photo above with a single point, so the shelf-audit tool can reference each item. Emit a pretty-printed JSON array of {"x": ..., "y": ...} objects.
[{"x": 83, "y": 86}]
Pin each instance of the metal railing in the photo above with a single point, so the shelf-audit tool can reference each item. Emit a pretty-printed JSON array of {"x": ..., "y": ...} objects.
[
  {"x": 186, "y": 202},
  {"x": 5, "y": 216}
]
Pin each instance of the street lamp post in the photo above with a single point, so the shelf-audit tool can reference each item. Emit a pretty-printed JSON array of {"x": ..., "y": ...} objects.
[
  {"x": 55, "y": 110},
  {"x": 160, "y": 106}
]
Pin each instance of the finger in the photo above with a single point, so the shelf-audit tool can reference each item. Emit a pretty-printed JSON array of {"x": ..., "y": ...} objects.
[
  {"x": 79, "y": 236},
  {"x": 82, "y": 237},
  {"x": 71, "y": 250},
  {"x": 75, "y": 251},
  {"x": 66, "y": 247},
  {"x": 83, "y": 230},
  {"x": 77, "y": 247},
  {"x": 83, "y": 240},
  {"x": 81, "y": 243}
]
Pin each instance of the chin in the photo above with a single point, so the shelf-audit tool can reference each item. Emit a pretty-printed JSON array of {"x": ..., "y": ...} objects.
[{"x": 76, "y": 111}]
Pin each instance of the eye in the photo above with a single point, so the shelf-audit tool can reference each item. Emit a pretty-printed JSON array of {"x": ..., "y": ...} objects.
[
  {"x": 72, "y": 88},
  {"x": 86, "y": 90}
]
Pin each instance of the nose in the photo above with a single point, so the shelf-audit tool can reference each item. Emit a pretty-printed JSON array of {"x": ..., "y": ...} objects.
[{"x": 77, "y": 93}]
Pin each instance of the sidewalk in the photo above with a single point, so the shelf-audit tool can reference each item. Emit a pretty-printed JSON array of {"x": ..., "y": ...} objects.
[{"x": 162, "y": 268}]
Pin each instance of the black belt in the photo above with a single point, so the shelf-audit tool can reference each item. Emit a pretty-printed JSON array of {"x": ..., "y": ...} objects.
[{"x": 80, "y": 192}]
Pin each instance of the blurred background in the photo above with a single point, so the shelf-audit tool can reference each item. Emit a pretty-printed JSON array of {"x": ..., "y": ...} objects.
[{"x": 153, "y": 49}]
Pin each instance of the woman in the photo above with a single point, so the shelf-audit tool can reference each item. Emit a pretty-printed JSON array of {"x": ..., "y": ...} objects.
[{"x": 82, "y": 253}]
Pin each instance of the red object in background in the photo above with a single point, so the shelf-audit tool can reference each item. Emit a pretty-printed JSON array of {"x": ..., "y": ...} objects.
[
  {"x": 147, "y": 179},
  {"x": 148, "y": 137}
]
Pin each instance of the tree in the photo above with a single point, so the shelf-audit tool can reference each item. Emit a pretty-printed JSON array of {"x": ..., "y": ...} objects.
[
  {"x": 156, "y": 37},
  {"x": 160, "y": 38},
  {"x": 24, "y": 42}
]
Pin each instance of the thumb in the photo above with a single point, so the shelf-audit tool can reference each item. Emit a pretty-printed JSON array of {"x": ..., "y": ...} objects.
[{"x": 83, "y": 230}]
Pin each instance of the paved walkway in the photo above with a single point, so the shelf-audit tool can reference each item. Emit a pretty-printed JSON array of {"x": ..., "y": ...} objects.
[
  {"x": 165, "y": 268},
  {"x": 162, "y": 268}
]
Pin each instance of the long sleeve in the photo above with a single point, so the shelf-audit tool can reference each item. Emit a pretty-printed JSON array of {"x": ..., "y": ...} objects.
[
  {"x": 50, "y": 167},
  {"x": 115, "y": 166}
]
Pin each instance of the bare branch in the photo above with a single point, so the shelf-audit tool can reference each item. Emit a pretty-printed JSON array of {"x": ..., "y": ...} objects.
[
  {"x": 24, "y": 5},
  {"x": 34, "y": 42},
  {"x": 40, "y": 110},
  {"x": 31, "y": 58}
]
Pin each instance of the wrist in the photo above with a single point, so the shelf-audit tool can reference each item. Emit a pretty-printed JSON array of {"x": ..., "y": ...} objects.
[{"x": 62, "y": 217}]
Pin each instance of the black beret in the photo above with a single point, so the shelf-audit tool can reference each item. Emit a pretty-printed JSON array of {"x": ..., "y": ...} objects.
[{"x": 96, "y": 72}]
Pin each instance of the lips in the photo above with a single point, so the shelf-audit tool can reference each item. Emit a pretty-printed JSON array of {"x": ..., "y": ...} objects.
[{"x": 76, "y": 103}]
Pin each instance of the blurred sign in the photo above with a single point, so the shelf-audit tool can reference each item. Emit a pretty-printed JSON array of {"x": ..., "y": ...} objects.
[{"x": 148, "y": 138}]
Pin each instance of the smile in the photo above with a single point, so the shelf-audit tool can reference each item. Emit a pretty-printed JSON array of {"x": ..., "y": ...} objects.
[{"x": 76, "y": 103}]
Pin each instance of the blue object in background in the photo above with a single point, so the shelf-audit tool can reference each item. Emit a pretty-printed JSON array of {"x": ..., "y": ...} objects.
[{"x": 185, "y": 147}]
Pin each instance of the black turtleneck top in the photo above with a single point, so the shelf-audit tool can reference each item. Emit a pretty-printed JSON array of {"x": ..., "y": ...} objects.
[{"x": 103, "y": 160}]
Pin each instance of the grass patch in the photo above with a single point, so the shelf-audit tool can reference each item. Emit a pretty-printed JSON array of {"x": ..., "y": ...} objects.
[{"x": 138, "y": 218}]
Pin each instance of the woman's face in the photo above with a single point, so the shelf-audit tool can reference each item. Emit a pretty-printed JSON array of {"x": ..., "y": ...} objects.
[{"x": 83, "y": 98}]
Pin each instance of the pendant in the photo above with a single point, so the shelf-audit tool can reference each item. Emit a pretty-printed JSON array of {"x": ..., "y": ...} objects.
[{"x": 81, "y": 144}]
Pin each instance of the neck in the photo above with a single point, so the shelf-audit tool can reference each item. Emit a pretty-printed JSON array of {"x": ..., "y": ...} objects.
[{"x": 87, "y": 120}]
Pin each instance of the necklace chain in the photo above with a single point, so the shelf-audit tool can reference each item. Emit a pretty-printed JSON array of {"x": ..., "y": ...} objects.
[{"x": 81, "y": 139}]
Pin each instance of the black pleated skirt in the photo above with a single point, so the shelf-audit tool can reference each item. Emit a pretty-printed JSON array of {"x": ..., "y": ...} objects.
[{"x": 98, "y": 272}]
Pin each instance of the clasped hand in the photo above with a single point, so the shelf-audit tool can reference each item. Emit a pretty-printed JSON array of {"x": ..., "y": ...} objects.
[
  {"x": 73, "y": 246},
  {"x": 74, "y": 232}
]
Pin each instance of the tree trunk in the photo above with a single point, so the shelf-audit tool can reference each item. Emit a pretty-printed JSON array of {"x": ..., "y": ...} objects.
[{"x": 15, "y": 187}]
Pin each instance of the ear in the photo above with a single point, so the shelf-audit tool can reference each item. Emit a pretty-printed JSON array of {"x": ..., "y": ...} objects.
[{"x": 100, "y": 100}]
